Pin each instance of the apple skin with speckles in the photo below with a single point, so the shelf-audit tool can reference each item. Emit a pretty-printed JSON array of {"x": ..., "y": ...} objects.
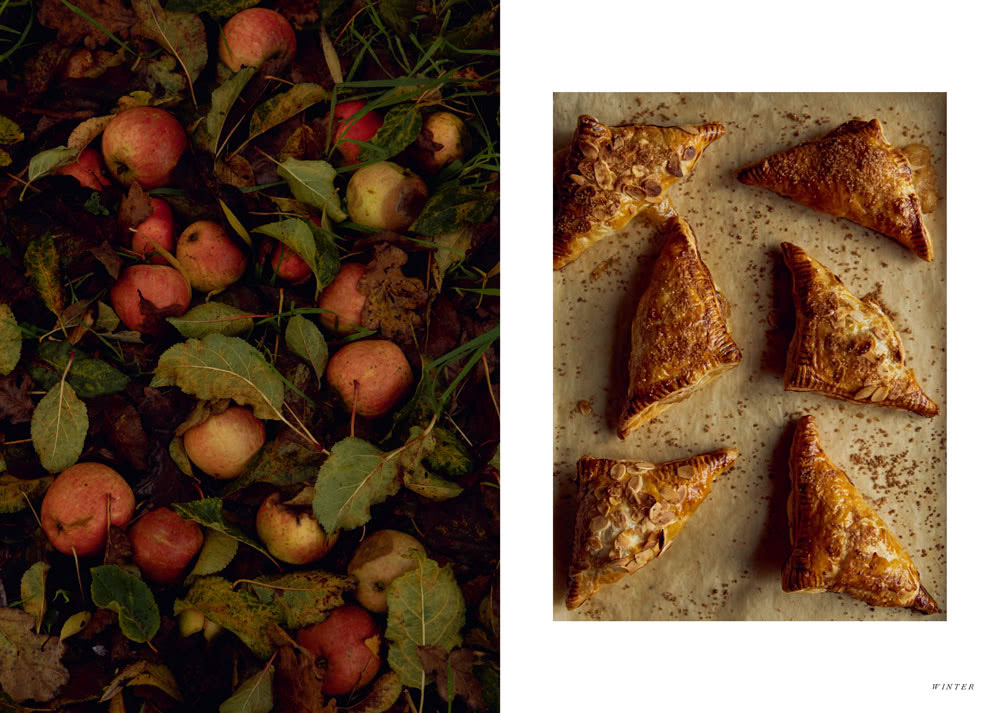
[
  {"x": 76, "y": 506},
  {"x": 163, "y": 544}
]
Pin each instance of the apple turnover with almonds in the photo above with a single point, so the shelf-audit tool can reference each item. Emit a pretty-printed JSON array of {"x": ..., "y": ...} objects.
[
  {"x": 613, "y": 173},
  {"x": 843, "y": 346},
  {"x": 629, "y": 512},
  {"x": 839, "y": 542},
  {"x": 854, "y": 173},
  {"x": 680, "y": 336}
]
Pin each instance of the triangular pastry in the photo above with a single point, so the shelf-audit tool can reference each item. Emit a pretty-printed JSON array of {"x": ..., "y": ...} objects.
[
  {"x": 613, "y": 173},
  {"x": 630, "y": 512},
  {"x": 680, "y": 339},
  {"x": 839, "y": 543},
  {"x": 845, "y": 347},
  {"x": 854, "y": 173}
]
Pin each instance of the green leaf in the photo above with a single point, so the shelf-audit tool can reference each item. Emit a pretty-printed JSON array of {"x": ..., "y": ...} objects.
[
  {"x": 431, "y": 486},
  {"x": 312, "y": 183},
  {"x": 305, "y": 340},
  {"x": 114, "y": 588},
  {"x": 304, "y": 598},
  {"x": 223, "y": 99},
  {"x": 181, "y": 34},
  {"x": 283, "y": 461},
  {"x": 179, "y": 456},
  {"x": 208, "y": 513},
  {"x": 474, "y": 32},
  {"x": 282, "y": 107},
  {"x": 41, "y": 260},
  {"x": 234, "y": 222},
  {"x": 212, "y": 318},
  {"x": 58, "y": 428},
  {"x": 400, "y": 128},
  {"x": 452, "y": 206},
  {"x": 45, "y": 162},
  {"x": 15, "y": 493},
  {"x": 452, "y": 248},
  {"x": 107, "y": 319},
  {"x": 89, "y": 377},
  {"x": 143, "y": 673},
  {"x": 239, "y": 611},
  {"x": 33, "y": 591},
  {"x": 449, "y": 456},
  {"x": 255, "y": 695},
  {"x": 398, "y": 14},
  {"x": 10, "y": 340},
  {"x": 216, "y": 554},
  {"x": 314, "y": 245},
  {"x": 10, "y": 133},
  {"x": 356, "y": 476},
  {"x": 426, "y": 608},
  {"x": 221, "y": 367},
  {"x": 74, "y": 625}
]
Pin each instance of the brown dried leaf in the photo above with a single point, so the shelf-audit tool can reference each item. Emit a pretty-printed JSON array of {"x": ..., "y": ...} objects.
[
  {"x": 15, "y": 403},
  {"x": 298, "y": 682},
  {"x": 30, "y": 663},
  {"x": 71, "y": 27},
  {"x": 108, "y": 257},
  {"x": 135, "y": 208},
  {"x": 235, "y": 171},
  {"x": 394, "y": 301},
  {"x": 458, "y": 663},
  {"x": 381, "y": 695}
]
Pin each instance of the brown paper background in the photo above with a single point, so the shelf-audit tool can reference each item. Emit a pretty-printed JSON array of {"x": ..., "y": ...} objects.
[{"x": 726, "y": 563}]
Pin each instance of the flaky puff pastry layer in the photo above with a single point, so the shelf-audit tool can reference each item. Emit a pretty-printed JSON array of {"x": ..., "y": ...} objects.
[
  {"x": 839, "y": 543},
  {"x": 845, "y": 347},
  {"x": 613, "y": 173},
  {"x": 854, "y": 173},
  {"x": 680, "y": 338},
  {"x": 629, "y": 512}
]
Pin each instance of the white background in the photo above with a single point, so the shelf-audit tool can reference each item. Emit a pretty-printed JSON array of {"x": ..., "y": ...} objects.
[{"x": 618, "y": 45}]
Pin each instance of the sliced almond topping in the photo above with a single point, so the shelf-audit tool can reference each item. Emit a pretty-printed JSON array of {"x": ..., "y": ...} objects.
[
  {"x": 672, "y": 495},
  {"x": 865, "y": 391},
  {"x": 879, "y": 394},
  {"x": 661, "y": 514},
  {"x": 644, "y": 557},
  {"x": 602, "y": 174},
  {"x": 635, "y": 482},
  {"x": 618, "y": 471},
  {"x": 588, "y": 149},
  {"x": 623, "y": 541},
  {"x": 643, "y": 466},
  {"x": 638, "y": 171},
  {"x": 599, "y": 523},
  {"x": 577, "y": 179},
  {"x": 594, "y": 544},
  {"x": 686, "y": 472}
]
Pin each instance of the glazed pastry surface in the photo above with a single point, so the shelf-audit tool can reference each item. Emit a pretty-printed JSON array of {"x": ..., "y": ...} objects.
[
  {"x": 613, "y": 173},
  {"x": 630, "y": 512},
  {"x": 854, "y": 173},
  {"x": 839, "y": 542},
  {"x": 843, "y": 346}
]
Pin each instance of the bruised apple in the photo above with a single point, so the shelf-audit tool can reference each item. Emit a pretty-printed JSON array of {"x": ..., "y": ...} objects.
[
  {"x": 371, "y": 376},
  {"x": 157, "y": 228},
  {"x": 209, "y": 256},
  {"x": 349, "y": 641},
  {"x": 77, "y": 505},
  {"x": 87, "y": 169},
  {"x": 386, "y": 196},
  {"x": 291, "y": 533},
  {"x": 143, "y": 144},
  {"x": 361, "y": 129},
  {"x": 257, "y": 37},
  {"x": 443, "y": 141},
  {"x": 223, "y": 444},
  {"x": 163, "y": 543},
  {"x": 163, "y": 289},
  {"x": 342, "y": 300},
  {"x": 379, "y": 559}
]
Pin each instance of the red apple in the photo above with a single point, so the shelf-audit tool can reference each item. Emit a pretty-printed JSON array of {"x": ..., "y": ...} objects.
[
  {"x": 257, "y": 37},
  {"x": 163, "y": 543},
  {"x": 386, "y": 196},
  {"x": 371, "y": 376},
  {"x": 223, "y": 445},
  {"x": 143, "y": 144},
  {"x": 211, "y": 259},
  {"x": 76, "y": 508},
  {"x": 291, "y": 532},
  {"x": 349, "y": 640},
  {"x": 343, "y": 300},
  {"x": 87, "y": 169},
  {"x": 288, "y": 266},
  {"x": 157, "y": 228},
  {"x": 363, "y": 129},
  {"x": 165, "y": 291}
]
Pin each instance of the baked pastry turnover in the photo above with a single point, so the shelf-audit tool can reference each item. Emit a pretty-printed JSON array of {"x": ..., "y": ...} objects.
[
  {"x": 854, "y": 173},
  {"x": 845, "y": 347},
  {"x": 680, "y": 339},
  {"x": 630, "y": 512},
  {"x": 839, "y": 543},
  {"x": 613, "y": 173}
]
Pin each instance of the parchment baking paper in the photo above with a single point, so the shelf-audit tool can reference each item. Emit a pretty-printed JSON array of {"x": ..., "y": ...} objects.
[{"x": 726, "y": 563}]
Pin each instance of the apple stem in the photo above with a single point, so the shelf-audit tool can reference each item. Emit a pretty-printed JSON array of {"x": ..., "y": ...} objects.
[{"x": 79, "y": 581}]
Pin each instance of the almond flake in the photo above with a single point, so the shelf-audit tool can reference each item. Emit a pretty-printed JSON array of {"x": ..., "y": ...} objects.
[
  {"x": 618, "y": 471},
  {"x": 635, "y": 482},
  {"x": 686, "y": 472},
  {"x": 577, "y": 179},
  {"x": 598, "y": 523},
  {"x": 588, "y": 149},
  {"x": 879, "y": 394},
  {"x": 661, "y": 514},
  {"x": 644, "y": 557},
  {"x": 643, "y": 466},
  {"x": 865, "y": 391}
]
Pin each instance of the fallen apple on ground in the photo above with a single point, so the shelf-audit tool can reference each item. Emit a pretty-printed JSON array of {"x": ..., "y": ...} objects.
[
  {"x": 87, "y": 169},
  {"x": 211, "y": 259},
  {"x": 342, "y": 300},
  {"x": 444, "y": 137},
  {"x": 75, "y": 511},
  {"x": 163, "y": 544},
  {"x": 386, "y": 196},
  {"x": 349, "y": 641},
  {"x": 371, "y": 376},
  {"x": 163, "y": 288},
  {"x": 257, "y": 37},
  {"x": 143, "y": 144},
  {"x": 291, "y": 533},
  {"x": 157, "y": 228},
  {"x": 224, "y": 444},
  {"x": 380, "y": 558},
  {"x": 361, "y": 129},
  {"x": 191, "y": 621},
  {"x": 288, "y": 265}
]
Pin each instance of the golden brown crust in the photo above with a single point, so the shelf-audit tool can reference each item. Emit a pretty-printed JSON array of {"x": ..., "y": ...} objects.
[
  {"x": 839, "y": 543},
  {"x": 613, "y": 173},
  {"x": 629, "y": 512},
  {"x": 854, "y": 173},
  {"x": 680, "y": 339},
  {"x": 845, "y": 347}
]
